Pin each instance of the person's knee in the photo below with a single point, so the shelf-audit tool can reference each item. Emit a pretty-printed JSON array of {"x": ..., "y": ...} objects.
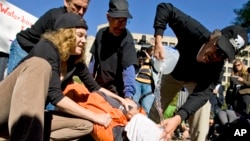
[
  {"x": 89, "y": 126},
  {"x": 72, "y": 129},
  {"x": 84, "y": 126}
]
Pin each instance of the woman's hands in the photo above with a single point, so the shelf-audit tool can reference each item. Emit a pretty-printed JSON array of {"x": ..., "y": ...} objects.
[
  {"x": 103, "y": 119},
  {"x": 240, "y": 79}
]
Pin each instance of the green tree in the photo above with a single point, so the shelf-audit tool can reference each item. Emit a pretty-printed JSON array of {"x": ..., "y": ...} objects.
[
  {"x": 243, "y": 16},
  {"x": 243, "y": 19}
]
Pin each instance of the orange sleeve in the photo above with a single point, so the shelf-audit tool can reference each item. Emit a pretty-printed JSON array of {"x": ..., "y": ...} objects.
[{"x": 96, "y": 103}]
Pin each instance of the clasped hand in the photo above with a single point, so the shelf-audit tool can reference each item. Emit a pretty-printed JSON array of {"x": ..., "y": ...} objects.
[
  {"x": 104, "y": 119},
  {"x": 169, "y": 125}
]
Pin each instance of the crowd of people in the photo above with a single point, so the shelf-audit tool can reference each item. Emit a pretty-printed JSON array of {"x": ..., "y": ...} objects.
[{"x": 114, "y": 100}]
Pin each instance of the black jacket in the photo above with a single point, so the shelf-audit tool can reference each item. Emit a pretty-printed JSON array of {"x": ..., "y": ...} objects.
[
  {"x": 191, "y": 36},
  {"x": 47, "y": 50},
  {"x": 29, "y": 37}
]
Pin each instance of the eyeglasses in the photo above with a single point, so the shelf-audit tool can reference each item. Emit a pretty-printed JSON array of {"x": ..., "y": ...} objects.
[{"x": 237, "y": 65}]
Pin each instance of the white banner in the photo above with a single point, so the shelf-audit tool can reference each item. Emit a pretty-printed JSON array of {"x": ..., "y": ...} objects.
[{"x": 12, "y": 20}]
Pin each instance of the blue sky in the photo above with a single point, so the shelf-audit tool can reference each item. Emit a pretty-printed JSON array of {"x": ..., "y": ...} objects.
[{"x": 214, "y": 14}]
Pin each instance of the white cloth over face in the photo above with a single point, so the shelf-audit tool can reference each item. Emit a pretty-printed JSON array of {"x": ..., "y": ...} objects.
[{"x": 141, "y": 128}]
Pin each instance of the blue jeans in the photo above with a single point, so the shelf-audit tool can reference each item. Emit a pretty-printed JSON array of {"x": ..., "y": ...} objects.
[
  {"x": 16, "y": 55},
  {"x": 3, "y": 64},
  {"x": 144, "y": 95},
  {"x": 50, "y": 107}
]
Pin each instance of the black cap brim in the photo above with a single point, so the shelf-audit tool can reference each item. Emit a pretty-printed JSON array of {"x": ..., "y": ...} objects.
[
  {"x": 120, "y": 15},
  {"x": 70, "y": 20},
  {"x": 226, "y": 46}
]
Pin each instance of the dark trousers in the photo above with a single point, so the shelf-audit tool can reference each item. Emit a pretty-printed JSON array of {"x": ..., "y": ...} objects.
[{"x": 243, "y": 101}]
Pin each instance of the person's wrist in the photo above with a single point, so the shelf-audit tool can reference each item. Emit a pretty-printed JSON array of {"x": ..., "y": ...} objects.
[
  {"x": 129, "y": 97},
  {"x": 177, "y": 118}
]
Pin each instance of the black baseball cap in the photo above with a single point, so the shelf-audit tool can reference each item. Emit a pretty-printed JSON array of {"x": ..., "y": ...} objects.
[
  {"x": 119, "y": 9},
  {"x": 233, "y": 39},
  {"x": 70, "y": 20}
]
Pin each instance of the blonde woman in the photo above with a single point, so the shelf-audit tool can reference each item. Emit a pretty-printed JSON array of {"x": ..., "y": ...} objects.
[
  {"x": 241, "y": 79},
  {"x": 41, "y": 77}
]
